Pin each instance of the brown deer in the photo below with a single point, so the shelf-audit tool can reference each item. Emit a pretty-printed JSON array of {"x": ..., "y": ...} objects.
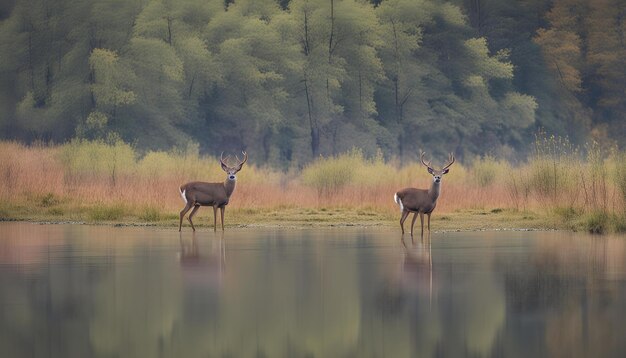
[
  {"x": 197, "y": 193},
  {"x": 421, "y": 201}
]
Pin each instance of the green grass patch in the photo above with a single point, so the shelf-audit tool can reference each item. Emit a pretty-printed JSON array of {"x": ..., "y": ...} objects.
[
  {"x": 150, "y": 214},
  {"x": 49, "y": 200},
  {"x": 597, "y": 222},
  {"x": 601, "y": 222},
  {"x": 56, "y": 211},
  {"x": 107, "y": 213}
]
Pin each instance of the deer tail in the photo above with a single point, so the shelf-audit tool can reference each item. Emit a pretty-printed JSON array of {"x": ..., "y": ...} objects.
[
  {"x": 398, "y": 201},
  {"x": 182, "y": 194}
]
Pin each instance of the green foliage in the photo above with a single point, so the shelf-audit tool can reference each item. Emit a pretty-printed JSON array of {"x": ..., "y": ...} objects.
[
  {"x": 294, "y": 80},
  {"x": 488, "y": 66},
  {"x": 110, "y": 79},
  {"x": 520, "y": 110},
  {"x": 97, "y": 158},
  {"x": 329, "y": 175},
  {"x": 186, "y": 163},
  {"x": 487, "y": 170}
]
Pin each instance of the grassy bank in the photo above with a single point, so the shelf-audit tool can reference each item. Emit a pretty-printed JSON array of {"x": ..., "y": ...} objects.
[{"x": 96, "y": 182}]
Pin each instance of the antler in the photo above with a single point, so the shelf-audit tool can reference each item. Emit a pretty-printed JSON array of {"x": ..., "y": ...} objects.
[
  {"x": 423, "y": 162},
  {"x": 222, "y": 160},
  {"x": 450, "y": 160},
  {"x": 245, "y": 158}
]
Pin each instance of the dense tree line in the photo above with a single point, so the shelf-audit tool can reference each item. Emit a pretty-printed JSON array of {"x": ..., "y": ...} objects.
[{"x": 290, "y": 80}]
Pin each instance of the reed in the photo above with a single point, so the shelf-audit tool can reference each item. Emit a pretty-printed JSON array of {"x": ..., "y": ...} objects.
[{"x": 112, "y": 181}]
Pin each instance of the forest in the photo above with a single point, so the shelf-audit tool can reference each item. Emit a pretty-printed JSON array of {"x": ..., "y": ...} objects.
[{"x": 290, "y": 80}]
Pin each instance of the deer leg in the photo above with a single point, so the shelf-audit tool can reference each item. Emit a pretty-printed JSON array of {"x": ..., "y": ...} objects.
[
  {"x": 182, "y": 215},
  {"x": 428, "y": 222},
  {"x": 405, "y": 213},
  {"x": 222, "y": 212},
  {"x": 215, "y": 218},
  {"x": 422, "y": 221},
  {"x": 413, "y": 222},
  {"x": 193, "y": 212}
]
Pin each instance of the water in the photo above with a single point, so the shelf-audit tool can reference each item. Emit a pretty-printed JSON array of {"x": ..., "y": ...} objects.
[{"x": 92, "y": 291}]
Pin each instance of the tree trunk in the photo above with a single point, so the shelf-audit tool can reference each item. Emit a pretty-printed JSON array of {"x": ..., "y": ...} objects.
[
  {"x": 400, "y": 146},
  {"x": 315, "y": 131},
  {"x": 315, "y": 141},
  {"x": 169, "y": 30},
  {"x": 330, "y": 50}
]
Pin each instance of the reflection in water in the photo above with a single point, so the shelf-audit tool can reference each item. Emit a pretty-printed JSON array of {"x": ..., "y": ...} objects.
[
  {"x": 77, "y": 291},
  {"x": 200, "y": 270},
  {"x": 417, "y": 266}
]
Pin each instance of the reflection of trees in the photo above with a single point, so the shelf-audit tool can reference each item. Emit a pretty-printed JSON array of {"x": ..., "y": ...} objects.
[
  {"x": 294, "y": 294},
  {"x": 464, "y": 314},
  {"x": 470, "y": 300},
  {"x": 282, "y": 301},
  {"x": 40, "y": 306},
  {"x": 137, "y": 303},
  {"x": 569, "y": 287}
]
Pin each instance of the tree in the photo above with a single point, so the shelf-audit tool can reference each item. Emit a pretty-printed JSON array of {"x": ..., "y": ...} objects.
[{"x": 606, "y": 60}]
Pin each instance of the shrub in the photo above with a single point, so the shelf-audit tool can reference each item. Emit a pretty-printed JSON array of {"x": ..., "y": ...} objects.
[
  {"x": 49, "y": 200},
  {"x": 329, "y": 175},
  {"x": 597, "y": 222},
  {"x": 486, "y": 170},
  {"x": 83, "y": 158},
  {"x": 553, "y": 170},
  {"x": 619, "y": 176}
]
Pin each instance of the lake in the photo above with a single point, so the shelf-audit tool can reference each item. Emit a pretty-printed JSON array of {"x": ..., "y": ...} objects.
[{"x": 99, "y": 291}]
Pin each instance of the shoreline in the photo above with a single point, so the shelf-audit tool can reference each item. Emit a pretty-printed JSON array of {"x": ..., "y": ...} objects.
[
  {"x": 466, "y": 220},
  {"x": 203, "y": 225}
]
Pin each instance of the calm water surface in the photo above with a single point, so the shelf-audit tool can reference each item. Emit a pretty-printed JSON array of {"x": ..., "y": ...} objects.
[{"x": 86, "y": 291}]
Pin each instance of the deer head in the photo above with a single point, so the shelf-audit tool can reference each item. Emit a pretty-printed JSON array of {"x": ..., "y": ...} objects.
[
  {"x": 437, "y": 173},
  {"x": 232, "y": 171}
]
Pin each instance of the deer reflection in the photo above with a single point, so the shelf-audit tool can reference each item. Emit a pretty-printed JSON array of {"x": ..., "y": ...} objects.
[
  {"x": 416, "y": 268},
  {"x": 411, "y": 279},
  {"x": 202, "y": 269}
]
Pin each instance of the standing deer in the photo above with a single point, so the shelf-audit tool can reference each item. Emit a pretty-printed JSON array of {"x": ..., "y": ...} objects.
[
  {"x": 421, "y": 201},
  {"x": 196, "y": 193}
]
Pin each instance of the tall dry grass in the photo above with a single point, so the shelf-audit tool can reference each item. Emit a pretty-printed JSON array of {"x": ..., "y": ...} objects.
[{"x": 116, "y": 177}]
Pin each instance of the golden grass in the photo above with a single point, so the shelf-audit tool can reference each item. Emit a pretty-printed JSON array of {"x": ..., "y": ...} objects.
[{"x": 95, "y": 181}]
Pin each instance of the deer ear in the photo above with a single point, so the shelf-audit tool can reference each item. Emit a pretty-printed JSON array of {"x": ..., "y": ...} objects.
[
  {"x": 430, "y": 170},
  {"x": 224, "y": 167},
  {"x": 445, "y": 171}
]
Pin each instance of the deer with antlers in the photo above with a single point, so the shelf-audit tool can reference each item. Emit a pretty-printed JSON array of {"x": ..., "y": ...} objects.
[
  {"x": 197, "y": 194},
  {"x": 421, "y": 201}
]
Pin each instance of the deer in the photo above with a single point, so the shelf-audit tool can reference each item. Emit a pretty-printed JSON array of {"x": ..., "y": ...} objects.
[
  {"x": 196, "y": 194},
  {"x": 422, "y": 201}
]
